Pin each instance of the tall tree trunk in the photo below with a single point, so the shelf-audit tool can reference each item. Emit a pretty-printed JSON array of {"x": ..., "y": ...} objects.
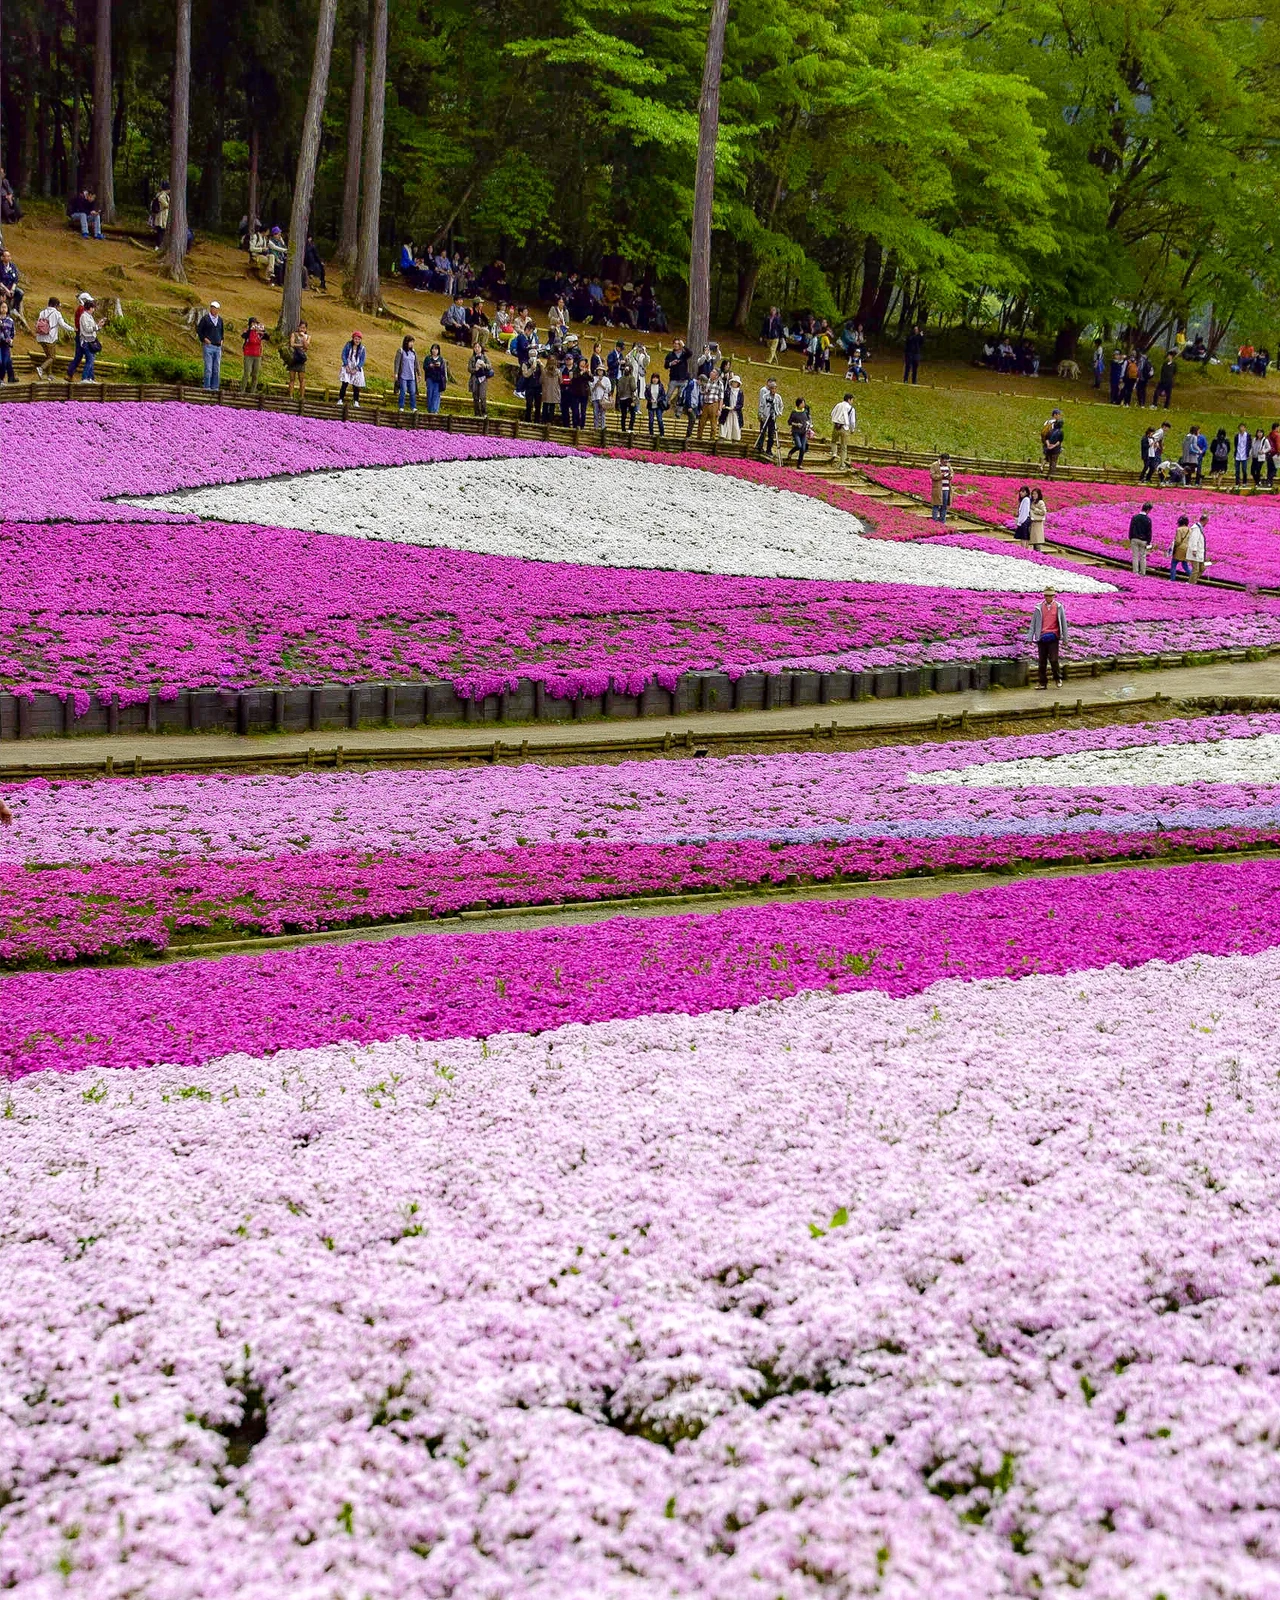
[
  {"x": 172, "y": 262},
  {"x": 213, "y": 165},
  {"x": 44, "y": 158},
  {"x": 872, "y": 258},
  {"x": 704, "y": 180},
  {"x": 251, "y": 209},
  {"x": 104, "y": 166},
  {"x": 30, "y": 136},
  {"x": 884, "y": 294},
  {"x": 349, "y": 230},
  {"x": 305, "y": 180},
  {"x": 366, "y": 289}
]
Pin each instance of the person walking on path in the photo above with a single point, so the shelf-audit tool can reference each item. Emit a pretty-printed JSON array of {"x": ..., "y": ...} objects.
[
  {"x": 1196, "y": 547},
  {"x": 1219, "y": 454},
  {"x": 940, "y": 488},
  {"x": 299, "y": 349},
  {"x": 731, "y": 410},
  {"x": 1199, "y": 449},
  {"x": 1165, "y": 385},
  {"x": 800, "y": 423},
  {"x": 49, "y": 324},
  {"x": 251, "y": 356},
  {"x": 1037, "y": 517},
  {"x": 405, "y": 374},
  {"x": 87, "y": 345},
  {"x": 1243, "y": 445},
  {"x": 1178, "y": 556},
  {"x": 770, "y": 409},
  {"x": 479, "y": 371},
  {"x": 843, "y": 422},
  {"x": 1140, "y": 536},
  {"x": 211, "y": 331},
  {"x": 1150, "y": 456},
  {"x": 911, "y": 353},
  {"x": 1049, "y": 631},
  {"x": 1051, "y": 437},
  {"x": 352, "y": 373},
  {"x": 436, "y": 377},
  {"x": 625, "y": 391}
]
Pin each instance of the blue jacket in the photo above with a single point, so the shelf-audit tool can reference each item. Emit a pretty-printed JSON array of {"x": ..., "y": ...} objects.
[{"x": 351, "y": 348}]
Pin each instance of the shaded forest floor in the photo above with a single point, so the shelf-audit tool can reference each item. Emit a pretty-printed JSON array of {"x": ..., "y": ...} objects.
[{"x": 956, "y": 406}]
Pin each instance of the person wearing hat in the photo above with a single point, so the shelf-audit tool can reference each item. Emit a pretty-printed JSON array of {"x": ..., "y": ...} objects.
[
  {"x": 352, "y": 374},
  {"x": 211, "y": 329},
  {"x": 87, "y": 345},
  {"x": 1051, "y": 436},
  {"x": 1049, "y": 630},
  {"x": 940, "y": 487}
]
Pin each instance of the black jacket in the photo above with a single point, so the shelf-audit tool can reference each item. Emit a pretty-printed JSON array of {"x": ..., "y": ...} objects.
[
  {"x": 678, "y": 365},
  {"x": 209, "y": 331}
]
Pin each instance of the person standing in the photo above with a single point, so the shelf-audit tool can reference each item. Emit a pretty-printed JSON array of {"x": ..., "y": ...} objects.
[
  {"x": 352, "y": 373},
  {"x": 1099, "y": 364},
  {"x": 843, "y": 422},
  {"x": 1259, "y": 450},
  {"x": 799, "y": 422},
  {"x": 911, "y": 353},
  {"x": 1273, "y": 440},
  {"x": 775, "y": 335},
  {"x": 549, "y": 379},
  {"x": 940, "y": 488},
  {"x": 1242, "y": 450},
  {"x": 299, "y": 350},
  {"x": 1202, "y": 449},
  {"x": 655, "y": 399},
  {"x": 601, "y": 390},
  {"x": 211, "y": 330},
  {"x": 1178, "y": 555},
  {"x": 679, "y": 364},
  {"x": 436, "y": 377},
  {"x": 1219, "y": 454},
  {"x": 49, "y": 324},
  {"x": 1145, "y": 374},
  {"x": 1037, "y": 517},
  {"x": 1196, "y": 547},
  {"x": 712, "y": 400},
  {"x": 731, "y": 410},
  {"x": 251, "y": 356},
  {"x": 1116, "y": 375},
  {"x": 1140, "y": 536},
  {"x": 625, "y": 390},
  {"x": 1022, "y": 521},
  {"x": 1165, "y": 386},
  {"x": 8, "y": 333},
  {"x": 405, "y": 374},
  {"x": 1051, "y": 437},
  {"x": 1130, "y": 378},
  {"x": 479, "y": 371},
  {"x": 579, "y": 392},
  {"x": 1049, "y": 631},
  {"x": 770, "y": 407}
]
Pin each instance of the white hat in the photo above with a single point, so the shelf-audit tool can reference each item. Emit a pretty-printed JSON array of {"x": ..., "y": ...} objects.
[
  {"x": 214, "y": 306},
  {"x": 85, "y": 298}
]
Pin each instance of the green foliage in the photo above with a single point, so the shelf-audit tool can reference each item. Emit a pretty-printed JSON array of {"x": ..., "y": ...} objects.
[{"x": 162, "y": 369}]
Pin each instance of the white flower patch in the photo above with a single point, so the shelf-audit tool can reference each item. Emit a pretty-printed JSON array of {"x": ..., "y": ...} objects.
[
  {"x": 607, "y": 513},
  {"x": 1246, "y": 761}
]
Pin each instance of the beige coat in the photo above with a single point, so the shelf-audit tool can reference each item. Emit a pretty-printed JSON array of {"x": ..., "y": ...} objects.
[{"x": 1039, "y": 514}]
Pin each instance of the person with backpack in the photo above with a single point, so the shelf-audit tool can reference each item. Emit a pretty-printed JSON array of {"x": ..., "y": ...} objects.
[
  {"x": 1051, "y": 437},
  {"x": 251, "y": 356},
  {"x": 1130, "y": 378},
  {"x": 49, "y": 324},
  {"x": 1140, "y": 536},
  {"x": 1049, "y": 632},
  {"x": 1219, "y": 454}
]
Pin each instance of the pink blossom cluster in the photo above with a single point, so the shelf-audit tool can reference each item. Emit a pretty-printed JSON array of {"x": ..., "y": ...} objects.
[
  {"x": 439, "y": 985},
  {"x": 91, "y": 870},
  {"x": 118, "y": 604},
  {"x": 970, "y": 1293}
]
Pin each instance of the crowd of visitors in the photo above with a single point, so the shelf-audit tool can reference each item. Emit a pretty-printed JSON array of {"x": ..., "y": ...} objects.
[{"x": 1187, "y": 548}]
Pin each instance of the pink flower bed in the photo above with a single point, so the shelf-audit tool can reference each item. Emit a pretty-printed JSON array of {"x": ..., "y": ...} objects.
[
  {"x": 94, "y": 870},
  {"x": 128, "y": 605},
  {"x": 1242, "y": 533},
  {"x": 967, "y": 1294},
  {"x": 438, "y": 986}
]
